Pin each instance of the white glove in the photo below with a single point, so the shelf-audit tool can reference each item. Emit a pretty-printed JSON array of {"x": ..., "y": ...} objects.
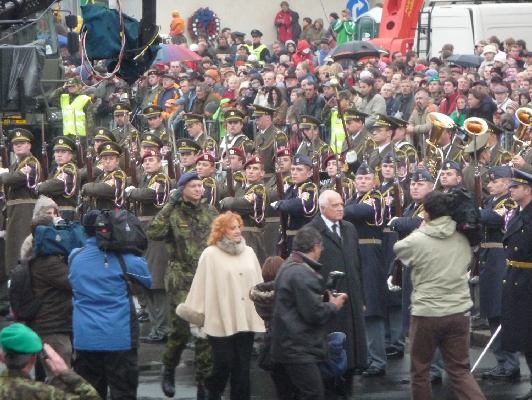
[
  {"x": 274, "y": 204},
  {"x": 391, "y": 221},
  {"x": 3, "y": 170},
  {"x": 129, "y": 189},
  {"x": 391, "y": 286},
  {"x": 2, "y": 234}
]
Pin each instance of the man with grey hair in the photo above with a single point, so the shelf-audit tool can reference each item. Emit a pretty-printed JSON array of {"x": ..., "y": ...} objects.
[{"x": 341, "y": 253}]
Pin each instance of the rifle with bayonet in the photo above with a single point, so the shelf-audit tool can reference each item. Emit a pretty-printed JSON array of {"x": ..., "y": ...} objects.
[
  {"x": 229, "y": 171},
  {"x": 80, "y": 159},
  {"x": 44, "y": 153},
  {"x": 3, "y": 148},
  {"x": 282, "y": 245}
]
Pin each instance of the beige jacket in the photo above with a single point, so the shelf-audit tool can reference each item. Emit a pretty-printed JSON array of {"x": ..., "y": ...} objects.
[{"x": 219, "y": 299}]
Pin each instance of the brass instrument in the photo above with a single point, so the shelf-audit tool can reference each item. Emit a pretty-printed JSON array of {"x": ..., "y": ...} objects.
[
  {"x": 434, "y": 155},
  {"x": 524, "y": 116},
  {"x": 409, "y": 153}
]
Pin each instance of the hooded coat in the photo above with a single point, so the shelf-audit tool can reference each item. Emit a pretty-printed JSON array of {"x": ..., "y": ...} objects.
[{"x": 303, "y": 53}]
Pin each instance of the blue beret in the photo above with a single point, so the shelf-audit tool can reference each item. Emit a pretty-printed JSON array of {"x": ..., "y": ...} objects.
[{"x": 187, "y": 177}]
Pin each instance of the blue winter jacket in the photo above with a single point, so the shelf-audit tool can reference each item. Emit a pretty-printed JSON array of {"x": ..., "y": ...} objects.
[{"x": 103, "y": 316}]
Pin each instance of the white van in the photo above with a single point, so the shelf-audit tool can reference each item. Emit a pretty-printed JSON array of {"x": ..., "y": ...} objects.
[{"x": 464, "y": 24}]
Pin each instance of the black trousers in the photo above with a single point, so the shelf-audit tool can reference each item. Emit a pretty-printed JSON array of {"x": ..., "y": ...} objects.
[
  {"x": 298, "y": 382},
  {"x": 231, "y": 358},
  {"x": 117, "y": 370}
]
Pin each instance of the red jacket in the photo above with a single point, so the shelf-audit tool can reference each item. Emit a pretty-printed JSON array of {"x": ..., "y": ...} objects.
[
  {"x": 283, "y": 22},
  {"x": 448, "y": 104}
]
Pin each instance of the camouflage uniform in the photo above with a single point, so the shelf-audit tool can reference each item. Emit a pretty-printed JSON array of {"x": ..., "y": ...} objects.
[
  {"x": 185, "y": 228},
  {"x": 67, "y": 385}
]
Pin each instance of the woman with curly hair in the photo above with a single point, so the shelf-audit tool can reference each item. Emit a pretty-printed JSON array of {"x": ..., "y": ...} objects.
[{"x": 219, "y": 303}]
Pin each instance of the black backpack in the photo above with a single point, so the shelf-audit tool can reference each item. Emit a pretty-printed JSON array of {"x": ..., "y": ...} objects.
[
  {"x": 120, "y": 231},
  {"x": 465, "y": 214},
  {"x": 23, "y": 304}
]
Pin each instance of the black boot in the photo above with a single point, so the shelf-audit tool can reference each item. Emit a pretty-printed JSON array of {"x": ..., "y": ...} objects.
[
  {"x": 200, "y": 394},
  {"x": 212, "y": 396},
  {"x": 168, "y": 383}
]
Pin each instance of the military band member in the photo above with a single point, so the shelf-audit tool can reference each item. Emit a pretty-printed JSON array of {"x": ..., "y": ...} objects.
[
  {"x": 450, "y": 145},
  {"x": 63, "y": 185},
  {"x": 300, "y": 200},
  {"x": 516, "y": 295},
  {"x": 358, "y": 139},
  {"x": 381, "y": 133},
  {"x": 265, "y": 137},
  {"x": 155, "y": 123},
  {"x": 124, "y": 132},
  {"x": 19, "y": 188},
  {"x": 494, "y": 216},
  {"x": 234, "y": 123},
  {"x": 403, "y": 148},
  {"x": 364, "y": 210},
  {"x": 250, "y": 201},
  {"x": 480, "y": 153},
  {"x": 450, "y": 176},
  {"x": 188, "y": 151},
  {"x": 107, "y": 191},
  {"x": 310, "y": 129},
  {"x": 194, "y": 124},
  {"x": 150, "y": 197},
  {"x": 214, "y": 191},
  {"x": 494, "y": 144},
  {"x": 523, "y": 159}
]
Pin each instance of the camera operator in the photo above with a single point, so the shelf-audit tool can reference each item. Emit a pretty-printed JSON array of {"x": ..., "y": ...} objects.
[{"x": 301, "y": 316}]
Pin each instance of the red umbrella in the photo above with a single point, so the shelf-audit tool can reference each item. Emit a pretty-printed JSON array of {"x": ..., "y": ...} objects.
[{"x": 174, "y": 52}]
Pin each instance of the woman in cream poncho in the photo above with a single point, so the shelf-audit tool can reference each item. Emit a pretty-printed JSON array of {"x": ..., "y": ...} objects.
[{"x": 219, "y": 302}]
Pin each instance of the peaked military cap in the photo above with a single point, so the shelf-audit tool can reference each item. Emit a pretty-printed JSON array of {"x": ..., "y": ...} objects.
[
  {"x": 503, "y": 171},
  {"x": 104, "y": 134},
  {"x": 422, "y": 175},
  {"x": 259, "y": 111},
  {"x": 477, "y": 144},
  {"x": 233, "y": 114},
  {"x": 152, "y": 111},
  {"x": 109, "y": 149},
  {"x": 186, "y": 145},
  {"x": 191, "y": 117},
  {"x": 153, "y": 72},
  {"x": 73, "y": 82},
  {"x": 398, "y": 122},
  {"x": 354, "y": 114},
  {"x": 383, "y": 121},
  {"x": 121, "y": 108},
  {"x": 256, "y": 33},
  {"x": 450, "y": 164},
  {"x": 206, "y": 157},
  {"x": 149, "y": 139},
  {"x": 520, "y": 178},
  {"x": 308, "y": 121},
  {"x": 300, "y": 159},
  {"x": 364, "y": 169},
  {"x": 253, "y": 160},
  {"x": 20, "y": 135},
  {"x": 64, "y": 143}
]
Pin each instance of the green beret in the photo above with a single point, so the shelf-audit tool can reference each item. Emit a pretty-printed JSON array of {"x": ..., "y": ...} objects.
[{"x": 18, "y": 338}]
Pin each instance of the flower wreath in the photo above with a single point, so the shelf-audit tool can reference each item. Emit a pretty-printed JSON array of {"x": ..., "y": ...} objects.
[{"x": 204, "y": 22}]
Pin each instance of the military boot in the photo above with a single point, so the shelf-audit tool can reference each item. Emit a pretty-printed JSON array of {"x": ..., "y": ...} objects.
[
  {"x": 168, "y": 383},
  {"x": 200, "y": 394}
]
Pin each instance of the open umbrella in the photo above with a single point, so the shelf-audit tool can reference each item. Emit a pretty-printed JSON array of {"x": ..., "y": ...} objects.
[
  {"x": 465, "y": 60},
  {"x": 174, "y": 52},
  {"x": 356, "y": 49}
]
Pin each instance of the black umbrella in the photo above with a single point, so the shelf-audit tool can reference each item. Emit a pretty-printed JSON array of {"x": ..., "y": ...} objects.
[
  {"x": 356, "y": 49},
  {"x": 465, "y": 60}
]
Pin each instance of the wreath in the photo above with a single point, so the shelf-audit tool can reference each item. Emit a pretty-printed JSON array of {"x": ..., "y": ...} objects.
[{"x": 204, "y": 22}]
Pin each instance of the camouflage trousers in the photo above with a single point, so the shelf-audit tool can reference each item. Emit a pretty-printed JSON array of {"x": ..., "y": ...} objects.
[{"x": 177, "y": 341}]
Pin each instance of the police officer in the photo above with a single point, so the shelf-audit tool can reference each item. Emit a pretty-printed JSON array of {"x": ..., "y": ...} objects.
[
  {"x": 257, "y": 48},
  {"x": 63, "y": 186},
  {"x": 498, "y": 208},
  {"x": 516, "y": 296}
]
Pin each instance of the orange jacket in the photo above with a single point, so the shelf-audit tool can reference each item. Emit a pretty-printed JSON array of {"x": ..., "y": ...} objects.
[{"x": 177, "y": 26}]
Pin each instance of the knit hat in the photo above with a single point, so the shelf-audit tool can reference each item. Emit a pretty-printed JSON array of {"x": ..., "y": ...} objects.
[{"x": 42, "y": 204}]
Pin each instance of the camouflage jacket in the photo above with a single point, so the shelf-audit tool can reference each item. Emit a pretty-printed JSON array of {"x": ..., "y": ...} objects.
[
  {"x": 68, "y": 385},
  {"x": 185, "y": 228}
]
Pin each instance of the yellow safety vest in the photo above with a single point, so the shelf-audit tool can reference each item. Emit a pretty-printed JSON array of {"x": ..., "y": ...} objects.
[
  {"x": 256, "y": 51},
  {"x": 337, "y": 132},
  {"x": 73, "y": 115}
]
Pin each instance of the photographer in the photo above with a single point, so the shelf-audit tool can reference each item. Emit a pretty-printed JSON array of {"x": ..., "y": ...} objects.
[
  {"x": 438, "y": 257},
  {"x": 301, "y": 316}
]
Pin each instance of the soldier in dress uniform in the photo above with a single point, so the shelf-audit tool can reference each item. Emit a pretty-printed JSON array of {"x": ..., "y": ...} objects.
[
  {"x": 364, "y": 210},
  {"x": 250, "y": 202},
  {"x": 235, "y": 161},
  {"x": 107, "y": 191},
  {"x": 194, "y": 124},
  {"x": 100, "y": 135},
  {"x": 421, "y": 184},
  {"x": 125, "y": 133},
  {"x": 188, "y": 152},
  {"x": 494, "y": 216},
  {"x": 63, "y": 186},
  {"x": 516, "y": 296},
  {"x": 494, "y": 144},
  {"x": 150, "y": 197},
  {"x": 450, "y": 145},
  {"x": 403, "y": 148},
  {"x": 206, "y": 169},
  {"x": 300, "y": 201},
  {"x": 19, "y": 188},
  {"x": 334, "y": 166},
  {"x": 234, "y": 123},
  {"x": 358, "y": 139},
  {"x": 450, "y": 176},
  {"x": 381, "y": 133},
  {"x": 265, "y": 137},
  {"x": 312, "y": 143},
  {"x": 482, "y": 154},
  {"x": 156, "y": 123}
]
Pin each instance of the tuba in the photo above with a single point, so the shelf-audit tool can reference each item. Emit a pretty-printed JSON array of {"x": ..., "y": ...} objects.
[
  {"x": 434, "y": 155},
  {"x": 474, "y": 127},
  {"x": 524, "y": 116}
]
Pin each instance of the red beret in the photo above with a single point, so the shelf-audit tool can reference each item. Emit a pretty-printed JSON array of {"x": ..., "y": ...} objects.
[{"x": 206, "y": 157}]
